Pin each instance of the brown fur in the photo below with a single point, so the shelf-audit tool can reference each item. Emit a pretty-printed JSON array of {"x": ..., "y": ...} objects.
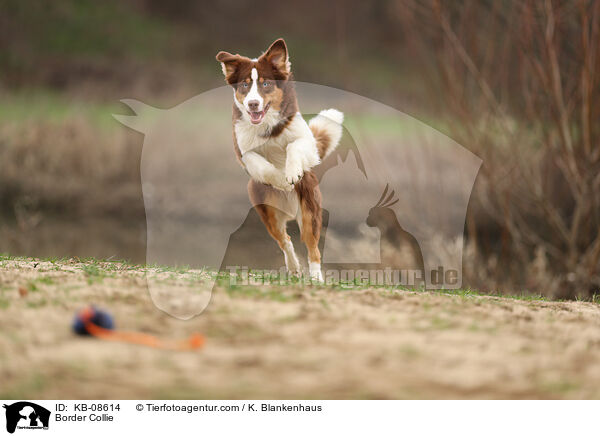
[
  {"x": 238, "y": 154},
  {"x": 311, "y": 232},
  {"x": 270, "y": 217},
  {"x": 323, "y": 140},
  {"x": 310, "y": 199},
  {"x": 280, "y": 127},
  {"x": 263, "y": 198}
]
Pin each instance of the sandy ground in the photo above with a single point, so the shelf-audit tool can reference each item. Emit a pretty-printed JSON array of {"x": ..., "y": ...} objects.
[{"x": 292, "y": 341}]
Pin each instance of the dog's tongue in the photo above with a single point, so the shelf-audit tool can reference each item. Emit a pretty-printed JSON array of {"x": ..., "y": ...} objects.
[{"x": 255, "y": 117}]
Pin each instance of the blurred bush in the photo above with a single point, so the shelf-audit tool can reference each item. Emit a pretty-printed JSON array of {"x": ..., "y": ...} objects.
[{"x": 521, "y": 83}]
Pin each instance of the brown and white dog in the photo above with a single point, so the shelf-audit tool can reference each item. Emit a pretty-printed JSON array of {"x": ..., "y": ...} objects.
[{"x": 277, "y": 148}]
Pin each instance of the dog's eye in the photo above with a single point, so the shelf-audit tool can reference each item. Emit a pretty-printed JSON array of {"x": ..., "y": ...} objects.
[
  {"x": 245, "y": 84},
  {"x": 265, "y": 84}
]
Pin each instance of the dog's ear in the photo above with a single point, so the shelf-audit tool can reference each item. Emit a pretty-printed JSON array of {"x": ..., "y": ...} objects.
[
  {"x": 229, "y": 64},
  {"x": 277, "y": 56}
]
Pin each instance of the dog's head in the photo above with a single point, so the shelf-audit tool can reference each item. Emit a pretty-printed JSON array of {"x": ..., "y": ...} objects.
[{"x": 259, "y": 84}]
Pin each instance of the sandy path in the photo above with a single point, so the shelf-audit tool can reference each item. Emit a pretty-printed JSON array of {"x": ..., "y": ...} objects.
[{"x": 290, "y": 342}]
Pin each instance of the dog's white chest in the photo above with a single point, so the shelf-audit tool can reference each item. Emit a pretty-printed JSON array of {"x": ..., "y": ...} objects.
[
  {"x": 274, "y": 152},
  {"x": 250, "y": 137},
  {"x": 272, "y": 149}
]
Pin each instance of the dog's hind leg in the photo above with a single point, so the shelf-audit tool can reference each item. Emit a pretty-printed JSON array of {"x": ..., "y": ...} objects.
[
  {"x": 275, "y": 220},
  {"x": 311, "y": 231},
  {"x": 310, "y": 221}
]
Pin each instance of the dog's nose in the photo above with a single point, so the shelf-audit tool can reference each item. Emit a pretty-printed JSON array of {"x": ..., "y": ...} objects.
[{"x": 253, "y": 105}]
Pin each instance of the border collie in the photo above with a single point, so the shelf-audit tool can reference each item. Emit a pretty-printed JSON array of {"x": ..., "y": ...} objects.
[{"x": 278, "y": 149}]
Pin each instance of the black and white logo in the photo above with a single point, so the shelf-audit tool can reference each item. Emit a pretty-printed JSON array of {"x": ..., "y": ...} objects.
[{"x": 26, "y": 415}]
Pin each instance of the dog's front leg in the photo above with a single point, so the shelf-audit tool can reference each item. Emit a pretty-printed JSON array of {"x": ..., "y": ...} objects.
[
  {"x": 264, "y": 171},
  {"x": 301, "y": 155}
]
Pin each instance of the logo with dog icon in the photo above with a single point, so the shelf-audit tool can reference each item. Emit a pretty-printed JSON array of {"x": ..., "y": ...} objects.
[{"x": 26, "y": 415}]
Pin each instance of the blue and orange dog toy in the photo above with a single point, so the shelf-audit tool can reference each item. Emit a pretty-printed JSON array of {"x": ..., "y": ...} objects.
[{"x": 100, "y": 324}]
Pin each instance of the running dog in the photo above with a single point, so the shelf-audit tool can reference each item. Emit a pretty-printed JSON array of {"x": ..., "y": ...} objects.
[{"x": 278, "y": 148}]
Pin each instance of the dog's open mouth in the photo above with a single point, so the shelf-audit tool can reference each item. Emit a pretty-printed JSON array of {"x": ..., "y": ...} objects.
[{"x": 257, "y": 117}]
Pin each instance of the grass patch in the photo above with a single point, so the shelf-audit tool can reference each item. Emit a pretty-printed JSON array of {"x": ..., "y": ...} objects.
[
  {"x": 560, "y": 387},
  {"x": 43, "y": 106},
  {"x": 409, "y": 352},
  {"x": 24, "y": 388},
  {"x": 438, "y": 323},
  {"x": 32, "y": 285},
  {"x": 37, "y": 304},
  {"x": 84, "y": 28},
  {"x": 4, "y": 303},
  {"x": 258, "y": 293},
  {"x": 8, "y": 257},
  {"x": 94, "y": 273},
  {"x": 46, "y": 280},
  {"x": 98, "y": 269},
  {"x": 466, "y": 293}
]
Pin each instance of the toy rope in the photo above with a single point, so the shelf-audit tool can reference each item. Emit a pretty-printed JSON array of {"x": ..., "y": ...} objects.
[{"x": 194, "y": 342}]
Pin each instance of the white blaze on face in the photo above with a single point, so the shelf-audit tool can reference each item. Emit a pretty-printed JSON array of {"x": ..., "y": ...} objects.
[{"x": 253, "y": 95}]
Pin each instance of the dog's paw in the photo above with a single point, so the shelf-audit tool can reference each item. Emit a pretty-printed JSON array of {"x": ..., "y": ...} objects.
[
  {"x": 293, "y": 172},
  {"x": 278, "y": 181},
  {"x": 317, "y": 278},
  {"x": 315, "y": 273}
]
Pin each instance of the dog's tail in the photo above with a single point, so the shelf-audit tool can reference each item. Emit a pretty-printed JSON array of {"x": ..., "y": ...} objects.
[{"x": 327, "y": 130}]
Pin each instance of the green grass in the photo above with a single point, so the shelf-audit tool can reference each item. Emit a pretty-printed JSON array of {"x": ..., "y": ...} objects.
[
  {"x": 84, "y": 28},
  {"x": 37, "y": 304},
  {"x": 409, "y": 352},
  {"x": 466, "y": 293},
  {"x": 559, "y": 387},
  {"x": 46, "y": 280},
  {"x": 4, "y": 303},
  {"x": 259, "y": 293},
  {"x": 439, "y": 323},
  {"x": 394, "y": 123},
  {"x": 24, "y": 387},
  {"x": 96, "y": 273},
  {"x": 49, "y": 107},
  {"x": 96, "y": 270}
]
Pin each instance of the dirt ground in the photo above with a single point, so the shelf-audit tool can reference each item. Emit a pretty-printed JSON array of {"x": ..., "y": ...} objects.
[{"x": 294, "y": 341}]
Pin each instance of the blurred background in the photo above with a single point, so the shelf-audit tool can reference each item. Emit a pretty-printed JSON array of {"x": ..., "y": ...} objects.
[{"x": 516, "y": 83}]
